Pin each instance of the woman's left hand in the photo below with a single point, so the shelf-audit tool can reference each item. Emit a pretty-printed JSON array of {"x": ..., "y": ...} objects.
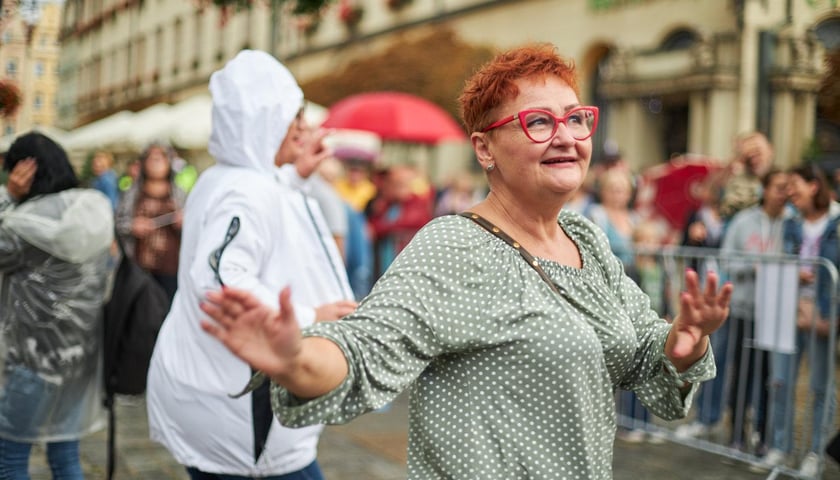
[
  {"x": 21, "y": 178},
  {"x": 701, "y": 313}
]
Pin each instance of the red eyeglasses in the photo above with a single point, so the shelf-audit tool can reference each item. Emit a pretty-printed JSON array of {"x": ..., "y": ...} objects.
[{"x": 540, "y": 125}]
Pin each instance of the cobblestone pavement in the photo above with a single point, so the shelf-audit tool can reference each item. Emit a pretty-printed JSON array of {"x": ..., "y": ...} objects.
[{"x": 373, "y": 447}]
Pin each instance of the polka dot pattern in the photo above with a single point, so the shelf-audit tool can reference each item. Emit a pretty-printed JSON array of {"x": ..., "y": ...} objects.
[{"x": 507, "y": 379}]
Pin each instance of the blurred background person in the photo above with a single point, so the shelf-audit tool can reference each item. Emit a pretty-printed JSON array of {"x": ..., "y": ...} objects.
[
  {"x": 185, "y": 173},
  {"x": 755, "y": 230},
  {"x": 104, "y": 177},
  {"x": 358, "y": 247},
  {"x": 355, "y": 186},
  {"x": 127, "y": 179},
  {"x": 320, "y": 188},
  {"x": 615, "y": 217},
  {"x": 459, "y": 195},
  {"x": 753, "y": 159},
  {"x": 811, "y": 233},
  {"x": 54, "y": 250},
  {"x": 149, "y": 215},
  {"x": 704, "y": 229},
  {"x": 613, "y": 213},
  {"x": 647, "y": 271},
  {"x": 396, "y": 215}
]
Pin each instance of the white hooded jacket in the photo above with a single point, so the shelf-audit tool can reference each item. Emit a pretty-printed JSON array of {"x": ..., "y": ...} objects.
[{"x": 281, "y": 240}]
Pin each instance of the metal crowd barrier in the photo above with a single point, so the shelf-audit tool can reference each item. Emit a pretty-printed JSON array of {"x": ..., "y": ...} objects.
[{"x": 746, "y": 410}]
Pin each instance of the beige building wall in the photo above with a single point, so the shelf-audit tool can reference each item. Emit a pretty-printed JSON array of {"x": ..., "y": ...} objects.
[
  {"x": 29, "y": 56},
  {"x": 671, "y": 76}
]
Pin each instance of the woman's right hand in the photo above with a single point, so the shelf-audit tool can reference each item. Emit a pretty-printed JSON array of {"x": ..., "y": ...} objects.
[
  {"x": 141, "y": 227},
  {"x": 267, "y": 339},
  {"x": 313, "y": 152}
]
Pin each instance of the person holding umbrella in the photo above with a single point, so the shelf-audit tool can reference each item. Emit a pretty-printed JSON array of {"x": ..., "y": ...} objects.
[{"x": 512, "y": 325}]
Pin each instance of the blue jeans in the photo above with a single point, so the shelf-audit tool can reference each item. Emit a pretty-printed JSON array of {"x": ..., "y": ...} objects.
[
  {"x": 311, "y": 472},
  {"x": 711, "y": 398},
  {"x": 784, "y": 372},
  {"x": 632, "y": 409},
  {"x": 31, "y": 407},
  {"x": 63, "y": 458}
]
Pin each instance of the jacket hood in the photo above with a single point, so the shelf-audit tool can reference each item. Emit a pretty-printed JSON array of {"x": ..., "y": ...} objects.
[
  {"x": 74, "y": 225},
  {"x": 255, "y": 100}
]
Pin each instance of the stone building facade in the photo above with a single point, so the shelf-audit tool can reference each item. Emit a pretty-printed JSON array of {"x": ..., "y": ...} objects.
[
  {"x": 29, "y": 52},
  {"x": 670, "y": 76}
]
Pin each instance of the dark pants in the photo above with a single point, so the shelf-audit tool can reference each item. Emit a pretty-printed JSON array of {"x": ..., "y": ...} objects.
[
  {"x": 311, "y": 472},
  {"x": 750, "y": 375}
]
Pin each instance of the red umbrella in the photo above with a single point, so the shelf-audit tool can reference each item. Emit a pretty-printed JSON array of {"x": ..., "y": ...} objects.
[
  {"x": 395, "y": 116},
  {"x": 675, "y": 187}
]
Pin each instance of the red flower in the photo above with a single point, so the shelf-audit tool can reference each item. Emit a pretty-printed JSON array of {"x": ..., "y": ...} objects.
[{"x": 350, "y": 14}]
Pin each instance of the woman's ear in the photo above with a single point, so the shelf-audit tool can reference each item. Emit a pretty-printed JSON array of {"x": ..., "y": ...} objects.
[{"x": 482, "y": 149}]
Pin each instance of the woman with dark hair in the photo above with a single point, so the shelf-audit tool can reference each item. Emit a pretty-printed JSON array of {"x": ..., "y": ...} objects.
[
  {"x": 809, "y": 234},
  {"x": 54, "y": 252},
  {"x": 149, "y": 217}
]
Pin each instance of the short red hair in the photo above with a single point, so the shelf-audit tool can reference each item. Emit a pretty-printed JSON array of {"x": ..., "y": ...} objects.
[{"x": 493, "y": 83}]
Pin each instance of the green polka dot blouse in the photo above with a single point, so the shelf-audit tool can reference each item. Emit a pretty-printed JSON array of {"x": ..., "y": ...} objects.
[{"x": 507, "y": 379}]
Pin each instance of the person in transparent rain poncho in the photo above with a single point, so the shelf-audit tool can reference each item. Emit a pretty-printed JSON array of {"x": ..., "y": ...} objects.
[{"x": 55, "y": 240}]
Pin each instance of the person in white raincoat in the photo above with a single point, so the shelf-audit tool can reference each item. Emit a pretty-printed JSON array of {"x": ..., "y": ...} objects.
[
  {"x": 247, "y": 223},
  {"x": 54, "y": 255}
]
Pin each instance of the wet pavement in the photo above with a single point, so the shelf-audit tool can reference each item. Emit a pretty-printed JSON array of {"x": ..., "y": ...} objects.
[{"x": 373, "y": 447}]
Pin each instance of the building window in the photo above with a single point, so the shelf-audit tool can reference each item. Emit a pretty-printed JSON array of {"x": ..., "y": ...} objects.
[
  {"x": 829, "y": 33},
  {"x": 39, "y": 69},
  {"x": 679, "y": 40},
  {"x": 199, "y": 38},
  {"x": 9, "y": 129},
  {"x": 177, "y": 38},
  {"x": 38, "y": 102},
  {"x": 11, "y": 68},
  {"x": 7, "y": 36}
]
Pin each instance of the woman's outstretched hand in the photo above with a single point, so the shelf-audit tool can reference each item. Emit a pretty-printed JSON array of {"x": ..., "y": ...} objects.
[
  {"x": 701, "y": 313},
  {"x": 267, "y": 339}
]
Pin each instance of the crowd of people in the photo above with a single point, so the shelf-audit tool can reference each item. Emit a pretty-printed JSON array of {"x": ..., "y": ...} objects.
[
  {"x": 499, "y": 300},
  {"x": 750, "y": 207}
]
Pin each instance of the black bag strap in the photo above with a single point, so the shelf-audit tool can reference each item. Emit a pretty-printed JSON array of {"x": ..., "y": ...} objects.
[
  {"x": 110, "y": 400},
  {"x": 513, "y": 243},
  {"x": 112, "y": 435}
]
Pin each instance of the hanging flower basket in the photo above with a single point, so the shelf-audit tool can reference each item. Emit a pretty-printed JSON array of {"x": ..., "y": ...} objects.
[
  {"x": 308, "y": 24},
  {"x": 351, "y": 15},
  {"x": 10, "y": 98}
]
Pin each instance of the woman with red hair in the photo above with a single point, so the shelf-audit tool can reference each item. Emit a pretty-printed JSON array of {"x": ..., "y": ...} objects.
[{"x": 511, "y": 325}]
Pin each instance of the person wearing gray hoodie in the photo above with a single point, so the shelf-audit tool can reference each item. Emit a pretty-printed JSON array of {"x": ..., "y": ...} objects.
[
  {"x": 247, "y": 223},
  {"x": 55, "y": 240}
]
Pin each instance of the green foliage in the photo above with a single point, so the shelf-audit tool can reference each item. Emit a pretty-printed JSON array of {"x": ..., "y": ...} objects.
[
  {"x": 434, "y": 67},
  {"x": 86, "y": 175},
  {"x": 307, "y": 6},
  {"x": 812, "y": 151}
]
